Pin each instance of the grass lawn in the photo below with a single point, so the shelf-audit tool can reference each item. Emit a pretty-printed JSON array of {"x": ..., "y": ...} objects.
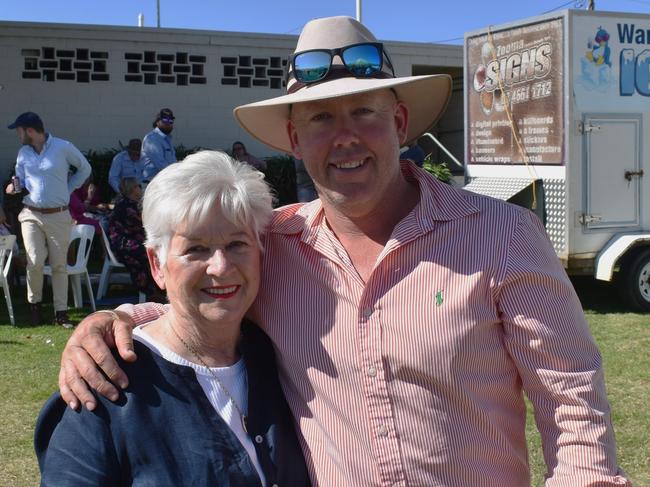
[{"x": 29, "y": 362}]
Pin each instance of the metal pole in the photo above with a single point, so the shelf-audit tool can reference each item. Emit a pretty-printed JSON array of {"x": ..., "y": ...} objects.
[
  {"x": 158, "y": 11},
  {"x": 359, "y": 10},
  {"x": 439, "y": 144}
]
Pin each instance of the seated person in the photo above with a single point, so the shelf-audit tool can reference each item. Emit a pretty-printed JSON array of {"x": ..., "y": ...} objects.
[
  {"x": 90, "y": 196},
  {"x": 79, "y": 209},
  {"x": 128, "y": 163},
  {"x": 204, "y": 404},
  {"x": 126, "y": 236},
  {"x": 240, "y": 153}
]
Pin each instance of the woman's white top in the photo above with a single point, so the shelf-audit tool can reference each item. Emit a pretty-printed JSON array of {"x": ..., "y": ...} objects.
[{"x": 233, "y": 378}]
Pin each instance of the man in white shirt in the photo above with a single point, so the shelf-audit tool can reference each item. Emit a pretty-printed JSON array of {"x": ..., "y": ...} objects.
[{"x": 42, "y": 167}]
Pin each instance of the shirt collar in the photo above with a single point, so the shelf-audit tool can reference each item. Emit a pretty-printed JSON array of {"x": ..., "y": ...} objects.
[
  {"x": 438, "y": 201},
  {"x": 128, "y": 157},
  {"x": 46, "y": 144},
  {"x": 160, "y": 132}
]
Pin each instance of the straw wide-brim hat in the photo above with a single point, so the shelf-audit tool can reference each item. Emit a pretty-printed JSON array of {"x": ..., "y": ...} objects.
[{"x": 425, "y": 96}]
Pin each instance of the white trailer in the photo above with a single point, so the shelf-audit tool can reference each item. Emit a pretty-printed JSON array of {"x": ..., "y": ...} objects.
[{"x": 557, "y": 118}]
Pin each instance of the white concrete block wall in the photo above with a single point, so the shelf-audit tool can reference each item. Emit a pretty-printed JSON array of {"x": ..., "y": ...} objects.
[{"x": 100, "y": 114}]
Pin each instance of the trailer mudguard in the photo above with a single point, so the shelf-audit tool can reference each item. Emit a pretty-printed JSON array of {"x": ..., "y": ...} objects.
[{"x": 618, "y": 245}]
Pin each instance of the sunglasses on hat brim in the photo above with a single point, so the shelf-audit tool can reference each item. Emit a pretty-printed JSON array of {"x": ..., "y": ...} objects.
[{"x": 364, "y": 60}]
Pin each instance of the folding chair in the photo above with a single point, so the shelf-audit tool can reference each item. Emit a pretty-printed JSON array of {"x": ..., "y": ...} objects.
[
  {"x": 85, "y": 234},
  {"x": 111, "y": 263},
  {"x": 6, "y": 255}
]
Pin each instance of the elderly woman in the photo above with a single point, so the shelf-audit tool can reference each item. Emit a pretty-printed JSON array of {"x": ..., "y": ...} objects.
[
  {"x": 204, "y": 405},
  {"x": 126, "y": 235}
]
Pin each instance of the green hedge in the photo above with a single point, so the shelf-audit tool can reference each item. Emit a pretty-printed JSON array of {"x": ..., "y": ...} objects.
[
  {"x": 281, "y": 175},
  {"x": 100, "y": 161},
  {"x": 439, "y": 170}
]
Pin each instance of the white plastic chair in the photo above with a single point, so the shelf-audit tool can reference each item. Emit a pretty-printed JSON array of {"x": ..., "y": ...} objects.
[
  {"x": 111, "y": 263},
  {"x": 6, "y": 255},
  {"x": 85, "y": 234}
]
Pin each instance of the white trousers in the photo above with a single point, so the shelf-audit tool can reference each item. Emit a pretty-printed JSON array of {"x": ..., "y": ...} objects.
[{"x": 46, "y": 235}]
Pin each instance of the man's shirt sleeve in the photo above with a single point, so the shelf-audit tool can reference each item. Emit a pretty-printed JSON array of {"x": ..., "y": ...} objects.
[
  {"x": 20, "y": 167},
  {"x": 560, "y": 365},
  {"x": 75, "y": 158},
  {"x": 144, "y": 312},
  {"x": 115, "y": 172}
]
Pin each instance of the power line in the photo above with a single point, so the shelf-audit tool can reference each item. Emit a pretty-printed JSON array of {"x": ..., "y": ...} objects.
[
  {"x": 566, "y": 4},
  {"x": 576, "y": 3},
  {"x": 294, "y": 30},
  {"x": 445, "y": 41}
]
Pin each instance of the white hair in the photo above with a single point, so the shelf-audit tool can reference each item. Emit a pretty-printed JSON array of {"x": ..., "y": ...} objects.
[{"x": 185, "y": 193}]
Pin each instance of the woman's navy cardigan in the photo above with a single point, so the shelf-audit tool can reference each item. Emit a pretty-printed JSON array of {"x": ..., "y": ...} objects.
[{"x": 163, "y": 431}]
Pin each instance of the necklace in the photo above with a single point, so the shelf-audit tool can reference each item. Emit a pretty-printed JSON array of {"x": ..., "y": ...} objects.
[{"x": 192, "y": 350}]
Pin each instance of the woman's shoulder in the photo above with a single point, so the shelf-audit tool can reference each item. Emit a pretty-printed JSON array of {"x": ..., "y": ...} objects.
[
  {"x": 100, "y": 439},
  {"x": 149, "y": 366},
  {"x": 123, "y": 203},
  {"x": 143, "y": 374},
  {"x": 55, "y": 407},
  {"x": 118, "y": 208}
]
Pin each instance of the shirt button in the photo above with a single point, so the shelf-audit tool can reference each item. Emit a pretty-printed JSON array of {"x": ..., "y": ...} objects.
[
  {"x": 372, "y": 372},
  {"x": 382, "y": 431},
  {"x": 259, "y": 439},
  {"x": 367, "y": 312}
]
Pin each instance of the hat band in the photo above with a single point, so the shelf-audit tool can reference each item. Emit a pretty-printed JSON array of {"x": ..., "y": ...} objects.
[{"x": 335, "y": 74}]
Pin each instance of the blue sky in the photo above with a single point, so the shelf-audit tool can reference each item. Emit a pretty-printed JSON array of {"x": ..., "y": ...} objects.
[{"x": 403, "y": 20}]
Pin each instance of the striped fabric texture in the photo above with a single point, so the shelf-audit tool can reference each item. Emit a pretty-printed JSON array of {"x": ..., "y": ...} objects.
[{"x": 416, "y": 377}]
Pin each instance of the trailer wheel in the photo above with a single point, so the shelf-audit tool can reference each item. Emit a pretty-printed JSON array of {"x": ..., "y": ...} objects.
[{"x": 634, "y": 282}]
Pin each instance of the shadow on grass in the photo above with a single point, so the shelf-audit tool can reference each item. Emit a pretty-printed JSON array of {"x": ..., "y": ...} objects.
[
  {"x": 22, "y": 314},
  {"x": 598, "y": 296},
  {"x": 118, "y": 294}
]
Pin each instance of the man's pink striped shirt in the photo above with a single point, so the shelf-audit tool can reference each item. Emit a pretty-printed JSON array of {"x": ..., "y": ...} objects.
[{"x": 415, "y": 377}]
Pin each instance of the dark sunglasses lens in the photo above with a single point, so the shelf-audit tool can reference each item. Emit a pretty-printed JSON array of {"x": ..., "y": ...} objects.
[
  {"x": 362, "y": 60},
  {"x": 168, "y": 121},
  {"x": 311, "y": 66}
]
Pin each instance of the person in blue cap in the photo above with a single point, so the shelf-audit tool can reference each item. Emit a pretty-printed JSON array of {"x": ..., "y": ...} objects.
[{"x": 43, "y": 168}]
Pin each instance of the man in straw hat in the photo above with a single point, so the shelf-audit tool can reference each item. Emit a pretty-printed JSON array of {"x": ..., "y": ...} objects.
[{"x": 408, "y": 316}]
